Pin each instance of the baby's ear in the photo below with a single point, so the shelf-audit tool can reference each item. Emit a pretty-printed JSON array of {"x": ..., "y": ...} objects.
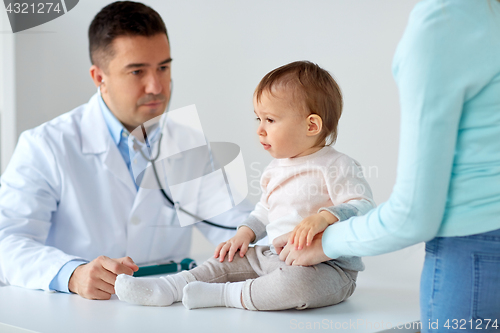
[{"x": 314, "y": 125}]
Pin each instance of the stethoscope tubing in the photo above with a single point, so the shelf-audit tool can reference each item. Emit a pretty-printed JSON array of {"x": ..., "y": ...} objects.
[{"x": 175, "y": 205}]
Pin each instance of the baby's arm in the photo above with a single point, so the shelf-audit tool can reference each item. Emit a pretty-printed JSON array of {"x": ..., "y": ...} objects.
[
  {"x": 345, "y": 211},
  {"x": 350, "y": 194},
  {"x": 250, "y": 231},
  {"x": 305, "y": 231},
  {"x": 244, "y": 236}
]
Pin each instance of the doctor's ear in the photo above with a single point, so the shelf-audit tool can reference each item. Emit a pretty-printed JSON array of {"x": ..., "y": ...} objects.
[{"x": 97, "y": 75}]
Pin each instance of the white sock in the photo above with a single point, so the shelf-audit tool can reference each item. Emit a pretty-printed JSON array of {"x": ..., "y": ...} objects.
[
  {"x": 161, "y": 291},
  {"x": 205, "y": 295}
]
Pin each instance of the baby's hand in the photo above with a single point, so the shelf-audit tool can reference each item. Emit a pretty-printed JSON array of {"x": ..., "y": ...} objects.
[
  {"x": 305, "y": 231},
  {"x": 240, "y": 241}
]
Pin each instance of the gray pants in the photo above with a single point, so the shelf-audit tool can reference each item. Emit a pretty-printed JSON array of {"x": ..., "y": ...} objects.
[{"x": 272, "y": 285}]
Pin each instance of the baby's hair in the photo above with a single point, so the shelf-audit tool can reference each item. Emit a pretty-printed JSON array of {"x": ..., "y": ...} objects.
[{"x": 314, "y": 88}]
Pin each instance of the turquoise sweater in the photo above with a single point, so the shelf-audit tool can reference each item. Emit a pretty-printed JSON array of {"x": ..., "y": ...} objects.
[{"x": 447, "y": 68}]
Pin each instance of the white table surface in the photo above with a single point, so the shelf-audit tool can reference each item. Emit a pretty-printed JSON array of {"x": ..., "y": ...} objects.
[
  {"x": 385, "y": 295},
  {"x": 40, "y": 311}
]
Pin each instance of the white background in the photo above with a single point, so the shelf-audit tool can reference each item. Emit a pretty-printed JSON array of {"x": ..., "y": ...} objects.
[{"x": 221, "y": 49}]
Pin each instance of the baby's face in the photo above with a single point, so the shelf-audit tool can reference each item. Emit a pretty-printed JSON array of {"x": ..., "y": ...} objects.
[{"x": 282, "y": 125}]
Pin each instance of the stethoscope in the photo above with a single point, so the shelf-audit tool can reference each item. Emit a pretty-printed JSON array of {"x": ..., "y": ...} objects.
[{"x": 152, "y": 160}]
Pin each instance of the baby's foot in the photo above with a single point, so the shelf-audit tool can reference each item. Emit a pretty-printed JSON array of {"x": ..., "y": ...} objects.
[
  {"x": 205, "y": 295},
  {"x": 145, "y": 291}
]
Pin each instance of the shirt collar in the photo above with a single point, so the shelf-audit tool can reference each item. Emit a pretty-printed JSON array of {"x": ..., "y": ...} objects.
[{"x": 115, "y": 127}]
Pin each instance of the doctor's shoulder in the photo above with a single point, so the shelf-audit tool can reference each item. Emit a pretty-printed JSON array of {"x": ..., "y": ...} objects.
[
  {"x": 39, "y": 150},
  {"x": 63, "y": 128}
]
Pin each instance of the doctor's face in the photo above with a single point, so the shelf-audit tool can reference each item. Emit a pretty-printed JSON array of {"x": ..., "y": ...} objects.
[{"x": 136, "y": 82}]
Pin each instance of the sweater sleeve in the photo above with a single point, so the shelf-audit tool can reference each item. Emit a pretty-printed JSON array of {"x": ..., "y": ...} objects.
[
  {"x": 258, "y": 218},
  {"x": 351, "y": 208},
  {"x": 431, "y": 97},
  {"x": 257, "y": 221}
]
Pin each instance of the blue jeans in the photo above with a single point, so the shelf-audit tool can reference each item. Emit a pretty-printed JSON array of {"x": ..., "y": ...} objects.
[{"x": 460, "y": 284}]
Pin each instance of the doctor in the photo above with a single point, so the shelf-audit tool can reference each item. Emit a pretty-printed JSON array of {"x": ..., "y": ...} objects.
[{"x": 71, "y": 214}]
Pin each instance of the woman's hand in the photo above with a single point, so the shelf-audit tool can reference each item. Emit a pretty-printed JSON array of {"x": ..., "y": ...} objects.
[
  {"x": 305, "y": 231},
  {"x": 280, "y": 242},
  {"x": 308, "y": 256},
  {"x": 240, "y": 241}
]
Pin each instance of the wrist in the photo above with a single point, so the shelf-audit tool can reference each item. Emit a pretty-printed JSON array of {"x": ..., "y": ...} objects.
[
  {"x": 247, "y": 232},
  {"x": 72, "y": 280},
  {"x": 329, "y": 217}
]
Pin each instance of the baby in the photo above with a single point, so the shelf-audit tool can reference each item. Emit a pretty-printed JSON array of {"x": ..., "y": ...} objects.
[{"x": 308, "y": 186}]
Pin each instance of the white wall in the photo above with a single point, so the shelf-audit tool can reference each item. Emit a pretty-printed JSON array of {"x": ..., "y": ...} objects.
[
  {"x": 221, "y": 49},
  {"x": 8, "y": 131}
]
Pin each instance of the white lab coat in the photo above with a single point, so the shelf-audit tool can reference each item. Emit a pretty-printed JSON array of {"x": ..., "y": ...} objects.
[{"x": 67, "y": 194}]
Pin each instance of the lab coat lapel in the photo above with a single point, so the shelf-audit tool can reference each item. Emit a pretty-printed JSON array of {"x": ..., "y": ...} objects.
[
  {"x": 114, "y": 162},
  {"x": 96, "y": 139}
]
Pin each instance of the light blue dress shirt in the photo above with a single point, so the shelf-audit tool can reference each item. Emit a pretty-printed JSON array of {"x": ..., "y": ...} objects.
[
  {"x": 119, "y": 134},
  {"x": 447, "y": 68},
  {"x": 120, "y": 138}
]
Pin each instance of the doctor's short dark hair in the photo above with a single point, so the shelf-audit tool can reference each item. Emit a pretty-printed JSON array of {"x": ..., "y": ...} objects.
[
  {"x": 313, "y": 88},
  {"x": 121, "y": 18}
]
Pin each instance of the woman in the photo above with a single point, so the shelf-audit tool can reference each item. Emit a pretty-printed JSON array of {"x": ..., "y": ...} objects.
[{"x": 447, "y": 192}]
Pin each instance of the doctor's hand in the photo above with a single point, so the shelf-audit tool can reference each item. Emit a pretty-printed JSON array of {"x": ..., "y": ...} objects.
[
  {"x": 240, "y": 241},
  {"x": 96, "y": 280},
  {"x": 308, "y": 256}
]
